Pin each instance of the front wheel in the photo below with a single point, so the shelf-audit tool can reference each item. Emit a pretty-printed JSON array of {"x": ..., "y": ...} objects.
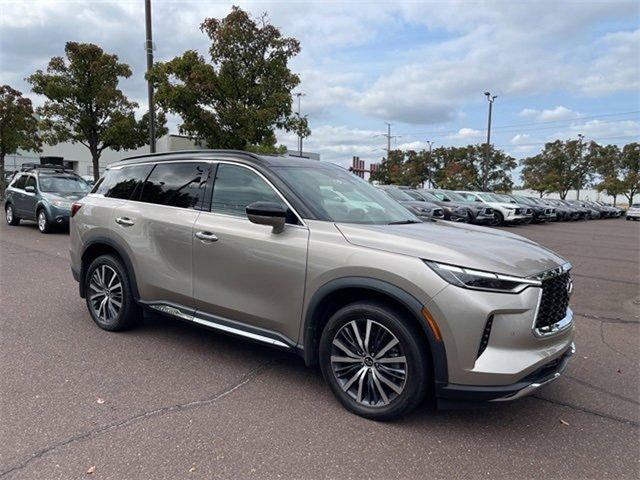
[
  {"x": 498, "y": 219},
  {"x": 373, "y": 359},
  {"x": 43, "y": 222},
  {"x": 10, "y": 216}
]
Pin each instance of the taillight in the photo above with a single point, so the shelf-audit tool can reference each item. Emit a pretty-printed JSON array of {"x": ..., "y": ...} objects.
[{"x": 74, "y": 208}]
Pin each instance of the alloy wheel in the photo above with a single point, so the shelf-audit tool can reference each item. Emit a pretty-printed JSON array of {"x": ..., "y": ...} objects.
[
  {"x": 369, "y": 363},
  {"x": 42, "y": 221},
  {"x": 105, "y": 293},
  {"x": 9, "y": 214}
]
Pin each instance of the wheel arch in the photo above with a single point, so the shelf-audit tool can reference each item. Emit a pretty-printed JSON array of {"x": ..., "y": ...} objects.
[
  {"x": 106, "y": 246},
  {"x": 340, "y": 292}
]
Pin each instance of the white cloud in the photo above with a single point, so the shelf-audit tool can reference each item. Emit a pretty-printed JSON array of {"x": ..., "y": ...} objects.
[
  {"x": 553, "y": 114},
  {"x": 520, "y": 138},
  {"x": 466, "y": 134}
]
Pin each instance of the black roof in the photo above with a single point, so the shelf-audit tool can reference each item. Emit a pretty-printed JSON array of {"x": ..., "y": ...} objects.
[{"x": 247, "y": 157}]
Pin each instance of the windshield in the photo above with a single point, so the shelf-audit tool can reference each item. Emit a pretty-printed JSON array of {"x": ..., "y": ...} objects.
[
  {"x": 339, "y": 196},
  {"x": 525, "y": 200},
  {"x": 397, "y": 194},
  {"x": 63, "y": 184},
  {"x": 453, "y": 196},
  {"x": 415, "y": 195},
  {"x": 429, "y": 196},
  {"x": 489, "y": 197}
]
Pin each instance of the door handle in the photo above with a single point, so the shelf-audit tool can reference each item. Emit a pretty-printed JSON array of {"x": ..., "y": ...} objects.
[
  {"x": 206, "y": 236},
  {"x": 125, "y": 221}
]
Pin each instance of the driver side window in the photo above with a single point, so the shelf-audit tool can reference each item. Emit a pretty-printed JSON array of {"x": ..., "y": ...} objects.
[
  {"x": 31, "y": 182},
  {"x": 236, "y": 187}
]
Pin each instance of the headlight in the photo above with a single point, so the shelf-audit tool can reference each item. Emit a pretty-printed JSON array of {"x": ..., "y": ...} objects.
[
  {"x": 61, "y": 204},
  {"x": 510, "y": 208},
  {"x": 420, "y": 210},
  {"x": 479, "y": 280}
]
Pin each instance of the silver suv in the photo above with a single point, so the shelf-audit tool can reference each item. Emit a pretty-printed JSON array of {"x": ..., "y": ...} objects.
[{"x": 309, "y": 258}]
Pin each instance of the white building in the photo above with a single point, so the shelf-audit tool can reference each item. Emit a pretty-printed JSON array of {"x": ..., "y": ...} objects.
[
  {"x": 586, "y": 194},
  {"x": 78, "y": 158}
]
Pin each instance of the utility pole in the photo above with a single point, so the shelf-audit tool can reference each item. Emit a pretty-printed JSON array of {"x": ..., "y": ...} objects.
[
  {"x": 578, "y": 185},
  {"x": 389, "y": 137},
  {"x": 485, "y": 167},
  {"x": 299, "y": 95},
  {"x": 429, "y": 180},
  {"x": 149, "y": 48}
]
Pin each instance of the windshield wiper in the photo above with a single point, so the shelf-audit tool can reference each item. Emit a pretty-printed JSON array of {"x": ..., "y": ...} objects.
[{"x": 404, "y": 222}]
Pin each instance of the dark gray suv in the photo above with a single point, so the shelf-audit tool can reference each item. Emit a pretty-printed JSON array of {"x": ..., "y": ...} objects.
[{"x": 43, "y": 194}]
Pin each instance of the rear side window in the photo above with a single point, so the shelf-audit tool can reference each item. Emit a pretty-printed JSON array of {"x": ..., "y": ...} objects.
[
  {"x": 176, "y": 184},
  {"x": 123, "y": 182},
  {"x": 236, "y": 187},
  {"x": 19, "y": 182}
]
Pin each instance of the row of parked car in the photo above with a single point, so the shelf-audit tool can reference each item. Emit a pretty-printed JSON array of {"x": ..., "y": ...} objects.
[{"x": 486, "y": 208}]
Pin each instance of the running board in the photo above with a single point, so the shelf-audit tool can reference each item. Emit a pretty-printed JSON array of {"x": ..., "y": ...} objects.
[{"x": 223, "y": 327}]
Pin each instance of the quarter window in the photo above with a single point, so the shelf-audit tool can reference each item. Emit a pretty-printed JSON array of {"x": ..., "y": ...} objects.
[
  {"x": 236, "y": 187},
  {"x": 176, "y": 184}
]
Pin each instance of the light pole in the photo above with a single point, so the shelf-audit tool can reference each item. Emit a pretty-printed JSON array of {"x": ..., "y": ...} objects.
[
  {"x": 485, "y": 167},
  {"x": 149, "y": 48},
  {"x": 299, "y": 95},
  {"x": 429, "y": 181}
]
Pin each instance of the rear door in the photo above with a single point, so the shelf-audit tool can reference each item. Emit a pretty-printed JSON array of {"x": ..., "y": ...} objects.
[
  {"x": 157, "y": 224},
  {"x": 243, "y": 271},
  {"x": 18, "y": 194}
]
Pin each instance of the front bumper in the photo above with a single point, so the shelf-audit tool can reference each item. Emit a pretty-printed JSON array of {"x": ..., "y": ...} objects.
[
  {"x": 452, "y": 394},
  {"x": 58, "y": 215}
]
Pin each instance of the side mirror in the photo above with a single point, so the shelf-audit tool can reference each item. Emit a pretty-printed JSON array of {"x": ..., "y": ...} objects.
[
  {"x": 30, "y": 189},
  {"x": 267, "y": 213}
]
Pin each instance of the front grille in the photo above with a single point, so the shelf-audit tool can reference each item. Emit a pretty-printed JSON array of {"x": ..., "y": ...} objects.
[
  {"x": 438, "y": 212},
  {"x": 529, "y": 211},
  {"x": 518, "y": 211},
  {"x": 488, "y": 211},
  {"x": 554, "y": 301}
]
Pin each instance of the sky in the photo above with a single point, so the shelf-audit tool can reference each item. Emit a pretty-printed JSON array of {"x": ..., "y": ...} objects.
[{"x": 558, "y": 68}]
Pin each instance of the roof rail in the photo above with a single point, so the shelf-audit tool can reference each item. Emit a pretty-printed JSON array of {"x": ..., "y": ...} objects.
[{"x": 191, "y": 152}]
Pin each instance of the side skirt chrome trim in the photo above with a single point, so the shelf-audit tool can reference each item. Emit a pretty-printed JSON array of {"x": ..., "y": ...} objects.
[{"x": 177, "y": 312}]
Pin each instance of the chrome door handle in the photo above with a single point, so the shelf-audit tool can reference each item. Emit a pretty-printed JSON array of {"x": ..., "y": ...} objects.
[
  {"x": 206, "y": 236},
  {"x": 127, "y": 222}
]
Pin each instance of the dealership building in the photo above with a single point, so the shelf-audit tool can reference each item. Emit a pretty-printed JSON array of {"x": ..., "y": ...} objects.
[{"x": 76, "y": 157}]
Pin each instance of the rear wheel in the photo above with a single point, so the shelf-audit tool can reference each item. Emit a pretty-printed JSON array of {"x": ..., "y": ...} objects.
[
  {"x": 108, "y": 294},
  {"x": 373, "y": 360},
  {"x": 10, "y": 216}
]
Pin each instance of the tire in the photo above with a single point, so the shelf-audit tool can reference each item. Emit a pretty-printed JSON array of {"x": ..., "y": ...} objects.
[
  {"x": 362, "y": 384},
  {"x": 44, "y": 225},
  {"x": 628, "y": 218},
  {"x": 99, "y": 285},
  {"x": 10, "y": 216},
  {"x": 499, "y": 219}
]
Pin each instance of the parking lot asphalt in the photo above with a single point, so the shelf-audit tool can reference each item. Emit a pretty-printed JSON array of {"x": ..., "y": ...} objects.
[{"x": 171, "y": 401}]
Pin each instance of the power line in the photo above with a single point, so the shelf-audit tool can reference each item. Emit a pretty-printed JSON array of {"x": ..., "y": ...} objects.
[
  {"x": 504, "y": 145},
  {"x": 567, "y": 121}
]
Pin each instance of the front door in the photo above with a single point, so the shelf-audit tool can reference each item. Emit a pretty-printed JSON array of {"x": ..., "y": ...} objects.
[{"x": 243, "y": 271}]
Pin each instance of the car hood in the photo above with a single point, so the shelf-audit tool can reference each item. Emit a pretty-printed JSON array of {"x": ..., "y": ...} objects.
[
  {"x": 64, "y": 196},
  {"x": 457, "y": 244}
]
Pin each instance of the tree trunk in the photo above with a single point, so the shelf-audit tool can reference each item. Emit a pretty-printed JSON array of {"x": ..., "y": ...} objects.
[
  {"x": 95, "y": 159},
  {"x": 614, "y": 200}
]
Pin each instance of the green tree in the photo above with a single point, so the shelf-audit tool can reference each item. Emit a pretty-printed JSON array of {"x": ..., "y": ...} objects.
[
  {"x": 462, "y": 168},
  {"x": 241, "y": 97},
  {"x": 392, "y": 170},
  {"x": 630, "y": 170},
  {"x": 84, "y": 104},
  {"x": 560, "y": 167},
  {"x": 18, "y": 126},
  {"x": 607, "y": 161},
  {"x": 535, "y": 176}
]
